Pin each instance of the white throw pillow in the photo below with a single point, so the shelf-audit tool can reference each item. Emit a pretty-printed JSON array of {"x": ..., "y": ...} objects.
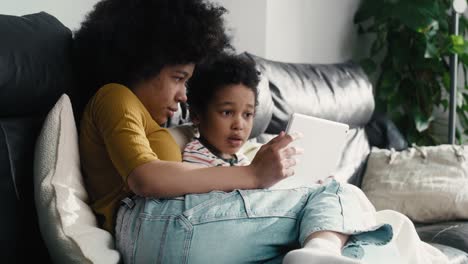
[
  {"x": 67, "y": 223},
  {"x": 427, "y": 184}
]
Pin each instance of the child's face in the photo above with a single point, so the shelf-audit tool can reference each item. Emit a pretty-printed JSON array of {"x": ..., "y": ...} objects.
[{"x": 228, "y": 119}]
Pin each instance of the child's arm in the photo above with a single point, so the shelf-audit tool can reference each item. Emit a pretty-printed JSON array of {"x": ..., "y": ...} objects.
[{"x": 273, "y": 162}]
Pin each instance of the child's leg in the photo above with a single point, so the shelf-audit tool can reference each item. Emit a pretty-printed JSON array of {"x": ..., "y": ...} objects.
[
  {"x": 244, "y": 226},
  {"x": 333, "y": 237},
  {"x": 328, "y": 216}
]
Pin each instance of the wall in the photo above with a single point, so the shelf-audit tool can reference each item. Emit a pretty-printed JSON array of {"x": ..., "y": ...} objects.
[
  {"x": 246, "y": 23},
  {"x": 69, "y": 12},
  {"x": 311, "y": 31},
  {"x": 294, "y": 30}
]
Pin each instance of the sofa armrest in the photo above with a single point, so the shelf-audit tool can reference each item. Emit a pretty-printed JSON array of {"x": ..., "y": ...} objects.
[{"x": 383, "y": 133}]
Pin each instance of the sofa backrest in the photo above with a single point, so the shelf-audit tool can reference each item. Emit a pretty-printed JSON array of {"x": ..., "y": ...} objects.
[
  {"x": 35, "y": 70},
  {"x": 339, "y": 92}
]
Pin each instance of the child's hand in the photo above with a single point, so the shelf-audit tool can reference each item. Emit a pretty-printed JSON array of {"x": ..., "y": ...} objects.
[{"x": 275, "y": 160}]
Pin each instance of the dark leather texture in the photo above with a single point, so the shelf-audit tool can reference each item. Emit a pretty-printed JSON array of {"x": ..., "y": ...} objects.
[
  {"x": 35, "y": 69},
  {"x": 20, "y": 230},
  {"x": 383, "y": 133},
  {"x": 10, "y": 231},
  {"x": 453, "y": 234},
  {"x": 454, "y": 255},
  {"x": 35, "y": 64},
  {"x": 338, "y": 92}
]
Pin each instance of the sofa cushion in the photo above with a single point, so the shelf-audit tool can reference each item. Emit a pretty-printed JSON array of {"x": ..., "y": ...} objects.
[
  {"x": 21, "y": 231},
  {"x": 34, "y": 71},
  {"x": 67, "y": 223},
  {"x": 453, "y": 234},
  {"x": 9, "y": 237},
  {"x": 455, "y": 256},
  {"x": 428, "y": 184},
  {"x": 34, "y": 63}
]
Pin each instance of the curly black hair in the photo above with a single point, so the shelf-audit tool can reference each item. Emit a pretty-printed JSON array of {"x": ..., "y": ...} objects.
[
  {"x": 212, "y": 76},
  {"x": 129, "y": 41}
]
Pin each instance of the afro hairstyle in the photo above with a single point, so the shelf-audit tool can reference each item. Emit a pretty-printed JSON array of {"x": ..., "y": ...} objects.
[{"x": 129, "y": 41}]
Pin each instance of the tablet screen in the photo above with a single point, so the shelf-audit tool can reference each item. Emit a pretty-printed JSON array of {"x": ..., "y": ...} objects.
[{"x": 322, "y": 142}]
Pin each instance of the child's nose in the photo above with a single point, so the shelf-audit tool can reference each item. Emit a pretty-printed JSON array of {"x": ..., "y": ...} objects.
[{"x": 237, "y": 123}]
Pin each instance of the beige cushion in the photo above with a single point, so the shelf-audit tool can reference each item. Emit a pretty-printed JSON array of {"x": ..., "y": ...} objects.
[
  {"x": 183, "y": 134},
  {"x": 67, "y": 223},
  {"x": 427, "y": 184}
]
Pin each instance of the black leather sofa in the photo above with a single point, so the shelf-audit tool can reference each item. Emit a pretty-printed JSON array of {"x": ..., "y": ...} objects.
[{"x": 35, "y": 69}]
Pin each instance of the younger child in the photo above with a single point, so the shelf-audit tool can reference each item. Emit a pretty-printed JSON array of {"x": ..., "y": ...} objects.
[
  {"x": 223, "y": 110},
  {"x": 222, "y": 97}
]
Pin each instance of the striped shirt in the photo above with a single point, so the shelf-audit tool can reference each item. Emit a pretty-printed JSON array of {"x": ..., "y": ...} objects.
[{"x": 196, "y": 152}]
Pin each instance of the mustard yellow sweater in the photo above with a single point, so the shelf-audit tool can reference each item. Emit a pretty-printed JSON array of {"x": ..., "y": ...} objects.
[{"x": 117, "y": 134}]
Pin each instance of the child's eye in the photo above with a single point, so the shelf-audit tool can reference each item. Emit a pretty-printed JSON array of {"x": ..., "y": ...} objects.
[
  {"x": 249, "y": 114},
  {"x": 226, "y": 113}
]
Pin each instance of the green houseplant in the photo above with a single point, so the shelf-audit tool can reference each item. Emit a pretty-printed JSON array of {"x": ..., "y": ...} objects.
[{"x": 409, "y": 61}]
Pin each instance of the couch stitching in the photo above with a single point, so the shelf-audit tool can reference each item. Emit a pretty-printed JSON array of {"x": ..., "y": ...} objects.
[
  {"x": 443, "y": 230},
  {"x": 12, "y": 168}
]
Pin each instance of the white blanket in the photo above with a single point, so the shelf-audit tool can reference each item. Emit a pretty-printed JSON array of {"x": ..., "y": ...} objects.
[
  {"x": 405, "y": 246},
  {"x": 410, "y": 248}
]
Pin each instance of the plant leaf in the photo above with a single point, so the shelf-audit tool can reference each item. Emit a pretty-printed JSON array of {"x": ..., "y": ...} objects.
[
  {"x": 446, "y": 81},
  {"x": 458, "y": 44},
  {"x": 418, "y": 15},
  {"x": 463, "y": 118},
  {"x": 414, "y": 76},
  {"x": 422, "y": 121},
  {"x": 432, "y": 51},
  {"x": 388, "y": 84},
  {"x": 368, "y": 65},
  {"x": 378, "y": 44},
  {"x": 367, "y": 10},
  {"x": 463, "y": 58},
  {"x": 445, "y": 104},
  {"x": 465, "y": 105}
]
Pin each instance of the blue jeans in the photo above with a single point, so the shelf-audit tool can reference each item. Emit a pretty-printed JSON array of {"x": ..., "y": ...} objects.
[{"x": 241, "y": 226}]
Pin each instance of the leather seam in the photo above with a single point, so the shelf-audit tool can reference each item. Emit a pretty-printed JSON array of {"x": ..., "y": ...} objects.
[{"x": 12, "y": 168}]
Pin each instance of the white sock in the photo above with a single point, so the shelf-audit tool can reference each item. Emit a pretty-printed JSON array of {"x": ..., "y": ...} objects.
[{"x": 318, "y": 251}]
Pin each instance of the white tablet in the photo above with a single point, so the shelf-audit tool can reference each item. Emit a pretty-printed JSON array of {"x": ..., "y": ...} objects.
[{"x": 322, "y": 141}]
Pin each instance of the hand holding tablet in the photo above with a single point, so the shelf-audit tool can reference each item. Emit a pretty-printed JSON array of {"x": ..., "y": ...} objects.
[{"x": 322, "y": 142}]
